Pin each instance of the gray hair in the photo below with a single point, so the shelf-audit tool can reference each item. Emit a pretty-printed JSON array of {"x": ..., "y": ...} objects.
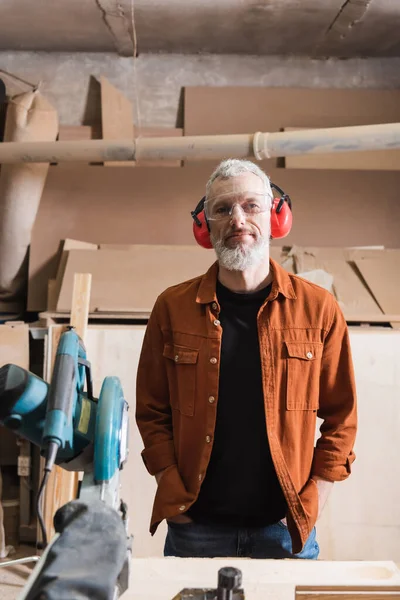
[{"x": 232, "y": 167}]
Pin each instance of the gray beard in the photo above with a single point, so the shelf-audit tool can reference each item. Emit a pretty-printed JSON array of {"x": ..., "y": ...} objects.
[{"x": 238, "y": 258}]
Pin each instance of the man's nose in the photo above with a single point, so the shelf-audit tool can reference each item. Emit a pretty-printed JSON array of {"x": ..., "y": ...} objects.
[{"x": 237, "y": 216}]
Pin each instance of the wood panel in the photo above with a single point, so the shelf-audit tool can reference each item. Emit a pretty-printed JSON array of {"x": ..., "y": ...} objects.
[
  {"x": 153, "y": 207},
  {"x": 115, "y": 351},
  {"x": 131, "y": 280},
  {"x": 116, "y": 117},
  {"x": 216, "y": 110},
  {"x": 156, "y": 579},
  {"x": 360, "y": 521}
]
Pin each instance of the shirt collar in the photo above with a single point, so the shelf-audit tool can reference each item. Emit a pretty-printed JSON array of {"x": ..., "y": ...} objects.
[{"x": 281, "y": 284}]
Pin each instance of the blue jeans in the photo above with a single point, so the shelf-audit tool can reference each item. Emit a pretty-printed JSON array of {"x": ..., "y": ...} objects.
[{"x": 208, "y": 541}]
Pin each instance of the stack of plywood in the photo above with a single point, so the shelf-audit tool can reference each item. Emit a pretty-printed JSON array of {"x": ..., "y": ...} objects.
[{"x": 129, "y": 278}]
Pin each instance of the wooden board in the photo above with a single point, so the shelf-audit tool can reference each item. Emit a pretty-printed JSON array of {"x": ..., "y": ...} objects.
[
  {"x": 153, "y": 207},
  {"x": 215, "y": 110},
  {"x": 116, "y": 117},
  {"x": 115, "y": 351},
  {"x": 132, "y": 280},
  {"x": 353, "y": 295},
  {"x": 162, "y": 579},
  {"x": 382, "y": 276},
  {"x": 55, "y": 285},
  {"x": 360, "y": 521},
  {"x": 14, "y": 344}
]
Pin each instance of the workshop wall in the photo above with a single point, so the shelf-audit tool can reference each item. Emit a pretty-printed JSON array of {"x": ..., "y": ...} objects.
[{"x": 154, "y": 82}]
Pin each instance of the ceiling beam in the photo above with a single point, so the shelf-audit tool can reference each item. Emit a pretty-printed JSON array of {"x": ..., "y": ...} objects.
[
  {"x": 118, "y": 25},
  {"x": 350, "y": 14}
]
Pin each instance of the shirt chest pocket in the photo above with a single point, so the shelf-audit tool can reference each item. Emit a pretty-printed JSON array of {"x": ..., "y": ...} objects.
[
  {"x": 303, "y": 372},
  {"x": 181, "y": 370}
]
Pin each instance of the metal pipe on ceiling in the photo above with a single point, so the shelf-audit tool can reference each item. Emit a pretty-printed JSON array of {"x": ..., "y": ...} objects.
[{"x": 208, "y": 147}]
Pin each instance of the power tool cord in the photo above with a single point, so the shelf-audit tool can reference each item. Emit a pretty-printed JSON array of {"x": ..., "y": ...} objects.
[{"x": 51, "y": 453}]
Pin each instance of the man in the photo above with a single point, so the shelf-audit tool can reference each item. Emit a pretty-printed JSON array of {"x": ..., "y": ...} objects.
[{"x": 236, "y": 365}]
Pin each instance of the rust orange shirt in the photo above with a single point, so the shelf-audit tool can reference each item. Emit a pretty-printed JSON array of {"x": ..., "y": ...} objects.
[{"x": 307, "y": 371}]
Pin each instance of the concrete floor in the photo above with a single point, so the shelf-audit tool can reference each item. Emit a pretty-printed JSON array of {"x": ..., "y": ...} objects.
[{"x": 13, "y": 578}]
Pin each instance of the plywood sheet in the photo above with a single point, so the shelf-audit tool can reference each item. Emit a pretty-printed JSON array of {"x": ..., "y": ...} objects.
[
  {"x": 159, "y": 579},
  {"x": 132, "y": 280},
  {"x": 116, "y": 117},
  {"x": 115, "y": 351},
  {"x": 142, "y": 206},
  {"x": 14, "y": 344},
  {"x": 216, "y": 110},
  {"x": 352, "y": 294},
  {"x": 382, "y": 276},
  {"x": 360, "y": 521},
  {"x": 55, "y": 285}
]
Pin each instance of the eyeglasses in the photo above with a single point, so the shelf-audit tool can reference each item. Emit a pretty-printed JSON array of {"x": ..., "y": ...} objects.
[{"x": 221, "y": 207}]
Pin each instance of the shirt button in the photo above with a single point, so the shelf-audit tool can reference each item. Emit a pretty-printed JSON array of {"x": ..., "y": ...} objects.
[
  {"x": 214, "y": 305},
  {"x": 200, "y": 477},
  {"x": 208, "y": 439},
  {"x": 211, "y": 399},
  {"x": 176, "y": 357},
  {"x": 309, "y": 354},
  {"x": 216, "y": 322},
  {"x": 213, "y": 360},
  {"x": 182, "y": 508}
]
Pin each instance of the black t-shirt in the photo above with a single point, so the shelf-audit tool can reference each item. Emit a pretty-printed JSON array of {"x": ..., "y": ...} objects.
[{"x": 240, "y": 487}]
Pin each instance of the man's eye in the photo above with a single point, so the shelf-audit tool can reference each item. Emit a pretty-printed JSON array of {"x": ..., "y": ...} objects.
[
  {"x": 221, "y": 210},
  {"x": 251, "y": 206}
]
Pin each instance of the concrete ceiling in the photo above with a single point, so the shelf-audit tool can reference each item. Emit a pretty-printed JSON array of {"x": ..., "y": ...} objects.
[{"x": 318, "y": 28}]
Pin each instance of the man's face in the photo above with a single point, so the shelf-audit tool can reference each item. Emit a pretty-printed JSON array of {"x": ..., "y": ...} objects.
[{"x": 239, "y": 217}]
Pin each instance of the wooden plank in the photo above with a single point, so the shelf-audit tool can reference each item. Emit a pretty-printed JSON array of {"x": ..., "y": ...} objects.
[
  {"x": 347, "y": 592},
  {"x": 352, "y": 294},
  {"x": 54, "y": 288},
  {"x": 121, "y": 279},
  {"x": 116, "y": 117},
  {"x": 381, "y": 275},
  {"x": 73, "y": 133},
  {"x": 14, "y": 349},
  {"x": 80, "y": 303},
  {"x": 157, "y": 578}
]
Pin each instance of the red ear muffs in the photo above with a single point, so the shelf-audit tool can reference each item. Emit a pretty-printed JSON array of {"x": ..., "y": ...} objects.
[
  {"x": 281, "y": 219},
  {"x": 201, "y": 228},
  {"x": 281, "y": 214}
]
